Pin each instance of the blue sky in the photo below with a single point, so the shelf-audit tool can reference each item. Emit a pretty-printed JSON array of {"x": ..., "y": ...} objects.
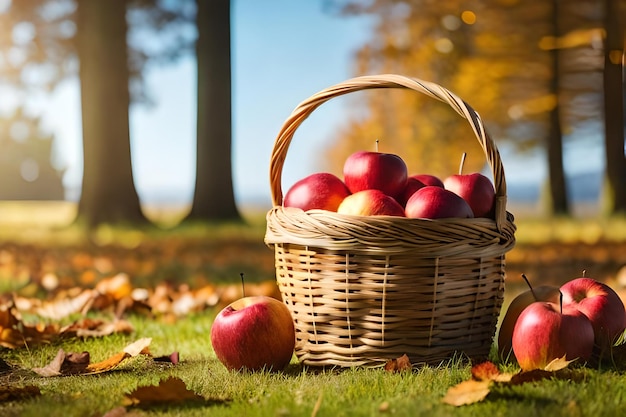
[{"x": 283, "y": 52}]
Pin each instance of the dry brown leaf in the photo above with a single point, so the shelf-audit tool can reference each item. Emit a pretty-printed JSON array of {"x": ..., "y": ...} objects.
[
  {"x": 65, "y": 364},
  {"x": 171, "y": 390},
  {"x": 485, "y": 374},
  {"x": 488, "y": 371},
  {"x": 88, "y": 327},
  {"x": 132, "y": 350},
  {"x": 467, "y": 392},
  {"x": 403, "y": 363},
  {"x": 65, "y": 306},
  {"x": 9, "y": 393},
  {"x": 171, "y": 358},
  {"x": 558, "y": 364},
  {"x": 122, "y": 412},
  {"x": 79, "y": 363}
]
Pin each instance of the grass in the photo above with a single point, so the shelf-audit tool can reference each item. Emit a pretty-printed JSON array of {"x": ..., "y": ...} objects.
[{"x": 298, "y": 391}]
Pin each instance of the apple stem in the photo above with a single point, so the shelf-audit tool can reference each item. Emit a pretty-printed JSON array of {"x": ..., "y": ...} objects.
[
  {"x": 376, "y": 145},
  {"x": 529, "y": 286},
  {"x": 243, "y": 288},
  {"x": 462, "y": 163},
  {"x": 584, "y": 273},
  {"x": 561, "y": 301}
]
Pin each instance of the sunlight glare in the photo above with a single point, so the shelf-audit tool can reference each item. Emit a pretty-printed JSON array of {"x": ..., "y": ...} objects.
[
  {"x": 4, "y": 5},
  {"x": 468, "y": 17}
]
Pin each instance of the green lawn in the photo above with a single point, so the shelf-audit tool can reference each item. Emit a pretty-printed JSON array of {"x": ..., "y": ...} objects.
[
  {"x": 296, "y": 392},
  {"x": 197, "y": 254}
]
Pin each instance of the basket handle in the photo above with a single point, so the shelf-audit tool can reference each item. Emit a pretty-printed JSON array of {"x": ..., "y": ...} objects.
[{"x": 304, "y": 109}]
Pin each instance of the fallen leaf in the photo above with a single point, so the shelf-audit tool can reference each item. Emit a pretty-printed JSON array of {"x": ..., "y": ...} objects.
[
  {"x": 171, "y": 390},
  {"x": 88, "y": 327},
  {"x": 138, "y": 346},
  {"x": 79, "y": 363},
  {"x": 64, "y": 307},
  {"x": 558, "y": 364},
  {"x": 467, "y": 392},
  {"x": 4, "y": 367},
  {"x": 132, "y": 350},
  {"x": 172, "y": 358},
  {"x": 403, "y": 363},
  {"x": 488, "y": 371},
  {"x": 486, "y": 374},
  {"x": 8, "y": 393},
  {"x": 65, "y": 364}
]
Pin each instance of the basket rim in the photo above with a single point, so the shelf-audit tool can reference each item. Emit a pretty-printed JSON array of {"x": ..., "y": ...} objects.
[{"x": 381, "y": 81}]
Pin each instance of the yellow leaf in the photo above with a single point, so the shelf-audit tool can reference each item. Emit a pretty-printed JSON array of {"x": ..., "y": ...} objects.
[
  {"x": 558, "y": 364},
  {"x": 467, "y": 392}
]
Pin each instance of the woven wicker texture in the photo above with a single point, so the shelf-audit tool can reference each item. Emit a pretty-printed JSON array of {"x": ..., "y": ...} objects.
[{"x": 363, "y": 290}]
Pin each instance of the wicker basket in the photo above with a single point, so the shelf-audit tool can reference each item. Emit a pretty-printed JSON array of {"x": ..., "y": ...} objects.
[{"x": 363, "y": 290}]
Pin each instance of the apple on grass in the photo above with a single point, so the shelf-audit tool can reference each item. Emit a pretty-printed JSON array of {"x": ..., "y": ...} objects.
[
  {"x": 548, "y": 293},
  {"x": 321, "y": 190},
  {"x": 432, "y": 202},
  {"x": 366, "y": 170},
  {"x": 370, "y": 203},
  {"x": 601, "y": 304},
  {"x": 546, "y": 331},
  {"x": 254, "y": 333}
]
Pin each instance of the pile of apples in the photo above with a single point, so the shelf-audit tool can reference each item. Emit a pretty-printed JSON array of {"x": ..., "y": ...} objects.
[
  {"x": 377, "y": 183},
  {"x": 580, "y": 320}
]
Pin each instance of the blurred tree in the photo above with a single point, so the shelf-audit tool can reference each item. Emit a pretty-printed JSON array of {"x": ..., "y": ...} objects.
[
  {"x": 615, "y": 186},
  {"x": 26, "y": 171},
  {"x": 213, "y": 195},
  {"x": 50, "y": 39},
  {"x": 557, "y": 203},
  {"x": 533, "y": 73},
  {"x": 486, "y": 52},
  {"x": 108, "y": 193}
]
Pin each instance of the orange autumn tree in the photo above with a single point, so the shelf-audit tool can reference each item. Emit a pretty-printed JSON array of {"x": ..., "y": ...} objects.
[{"x": 487, "y": 54}]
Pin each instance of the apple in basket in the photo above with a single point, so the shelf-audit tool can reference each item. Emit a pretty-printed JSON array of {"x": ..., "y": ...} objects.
[
  {"x": 321, "y": 190},
  {"x": 547, "y": 331},
  {"x": 476, "y": 189},
  {"x": 601, "y": 304},
  {"x": 370, "y": 203},
  {"x": 254, "y": 333},
  {"x": 366, "y": 170},
  {"x": 549, "y": 293},
  {"x": 412, "y": 185},
  {"x": 432, "y": 202},
  {"x": 428, "y": 179}
]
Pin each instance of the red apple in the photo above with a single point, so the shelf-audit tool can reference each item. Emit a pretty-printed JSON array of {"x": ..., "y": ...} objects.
[
  {"x": 412, "y": 185},
  {"x": 548, "y": 293},
  {"x": 476, "y": 189},
  {"x": 365, "y": 170},
  {"x": 432, "y": 202},
  {"x": 544, "y": 332},
  {"x": 370, "y": 203},
  {"x": 321, "y": 190},
  {"x": 428, "y": 179},
  {"x": 601, "y": 304},
  {"x": 254, "y": 333}
]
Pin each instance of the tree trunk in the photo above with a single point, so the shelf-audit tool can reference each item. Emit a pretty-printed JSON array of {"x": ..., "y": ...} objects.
[
  {"x": 558, "y": 204},
  {"x": 213, "y": 196},
  {"x": 614, "y": 193},
  {"x": 108, "y": 193}
]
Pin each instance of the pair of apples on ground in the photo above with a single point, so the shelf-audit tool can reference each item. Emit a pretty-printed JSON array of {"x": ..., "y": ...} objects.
[
  {"x": 580, "y": 320},
  {"x": 377, "y": 183}
]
